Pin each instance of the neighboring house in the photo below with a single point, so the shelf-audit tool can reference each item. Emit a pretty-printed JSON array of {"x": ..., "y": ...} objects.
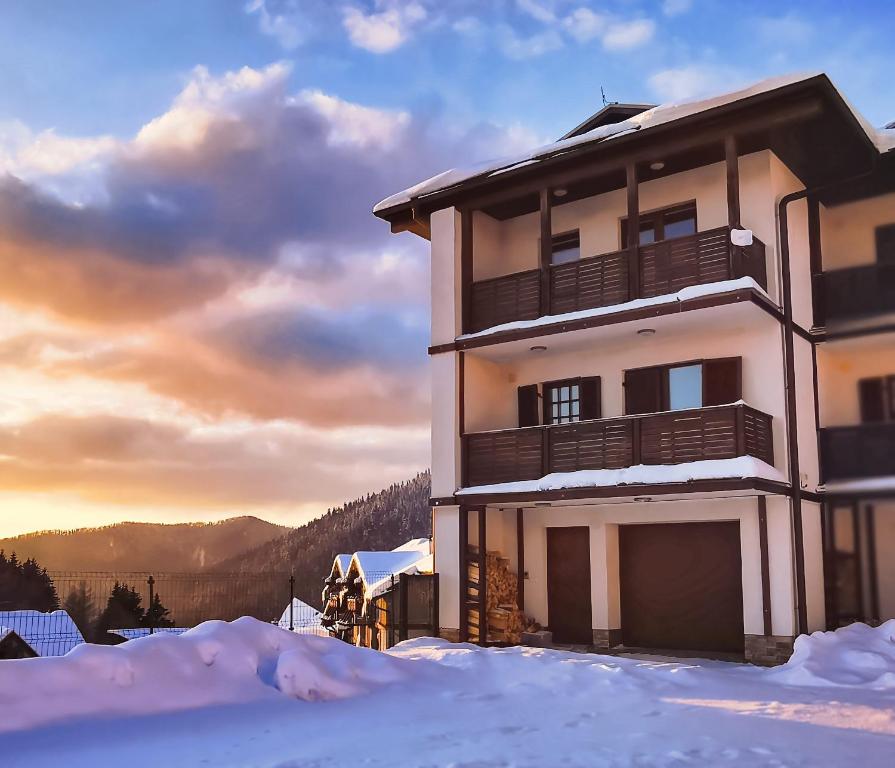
[
  {"x": 663, "y": 371},
  {"x": 13, "y": 647},
  {"x": 48, "y": 634},
  {"x": 302, "y": 618},
  {"x": 363, "y": 603}
]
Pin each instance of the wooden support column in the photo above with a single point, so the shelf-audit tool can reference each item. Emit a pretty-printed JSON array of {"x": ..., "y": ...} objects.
[
  {"x": 633, "y": 244},
  {"x": 461, "y": 418},
  {"x": 765, "y": 565},
  {"x": 520, "y": 560},
  {"x": 872, "y": 574},
  {"x": 859, "y": 557},
  {"x": 463, "y": 547},
  {"x": 731, "y": 159},
  {"x": 483, "y": 579},
  {"x": 546, "y": 250},
  {"x": 466, "y": 271}
]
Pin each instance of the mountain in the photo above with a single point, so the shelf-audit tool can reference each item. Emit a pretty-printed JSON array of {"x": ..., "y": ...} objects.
[
  {"x": 380, "y": 520},
  {"x": 144, "y": 546}
]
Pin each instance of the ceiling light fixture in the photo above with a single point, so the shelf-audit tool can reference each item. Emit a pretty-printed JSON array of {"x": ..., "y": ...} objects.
[
  {"x": 646, "y": 332},
  {"x": 560, "y": 192},
  {"x": 537, "y": 348},
  {"x": 657, "y": 165}
]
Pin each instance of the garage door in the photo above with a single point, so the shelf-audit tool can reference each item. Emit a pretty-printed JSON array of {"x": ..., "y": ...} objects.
[{"x": 681, "y": 586}]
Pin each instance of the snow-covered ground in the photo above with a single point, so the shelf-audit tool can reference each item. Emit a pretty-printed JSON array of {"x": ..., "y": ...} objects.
[{"x": 251, "y": 694}]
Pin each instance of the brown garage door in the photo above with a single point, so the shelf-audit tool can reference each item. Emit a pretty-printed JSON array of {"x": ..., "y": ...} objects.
[
  {"x": 681, "y": 586},
  {"x": 568, "y": 585}
]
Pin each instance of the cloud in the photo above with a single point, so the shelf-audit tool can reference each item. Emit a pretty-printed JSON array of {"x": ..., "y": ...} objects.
[
  {"x": 538, "y": 9},
  {"x": 519, "y": 47},
  {"x": 281, "y": 20},
  {"x": 385, "y": 30},
  {"x": 584, "y": 25},
  {"x": 691, "y": 81},
  {"x": 624, "y": 35},
  {"x": 788, "y": 29},
  {"x": 676, "y": 7}
]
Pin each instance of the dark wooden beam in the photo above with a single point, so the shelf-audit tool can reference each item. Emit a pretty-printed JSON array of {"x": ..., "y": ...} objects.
[
  {"x": 466, "y": 269},
  {"x": 461, "y": 416},
  {"x": 483, "y": 578},
  {"x": 872, "y": 573},
  {"x": 859, "y": 556},
  {"x": 633, "y": 244},
  {"x": 520, "y": 559},
  {"x": 816, "y": 261},
  {"x": 463, "y": 548},
  {"x": 732, "y": 161},
  {"x": 546, "y": 249},
  {"x": 765, "y": 565}
]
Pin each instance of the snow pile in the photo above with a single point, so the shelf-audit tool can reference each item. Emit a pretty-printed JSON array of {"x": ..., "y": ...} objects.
[
  {"x": 215, "y": 663},
  {"x": 856, "y": 655}
]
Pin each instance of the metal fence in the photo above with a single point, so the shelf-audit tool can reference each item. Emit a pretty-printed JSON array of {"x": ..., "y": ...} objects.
[{"x": 108, "y": 607}]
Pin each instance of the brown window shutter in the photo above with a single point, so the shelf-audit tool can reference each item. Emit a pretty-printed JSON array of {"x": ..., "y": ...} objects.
[
  {"x": 871, "y": 394},
  {"x": 591, "y": 407},
  {"x": 643, "y": 391},
  {"x": 528, "y": 405},
  {"x": 722, "y": 381},
  {"x": 885, "y": 244}
]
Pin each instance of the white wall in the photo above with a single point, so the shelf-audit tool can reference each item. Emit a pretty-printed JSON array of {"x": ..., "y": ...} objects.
[
  {"x": 848, "y": 231},
  {"x": 446, "y": 538},
  {"x": 445, "y": 423},
  {"x": 841, "y": 365},
  {"x": 445, "y": 275}
]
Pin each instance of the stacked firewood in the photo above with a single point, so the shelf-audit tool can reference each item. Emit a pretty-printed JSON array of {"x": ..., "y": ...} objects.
[{"x": 506, "y": 622}]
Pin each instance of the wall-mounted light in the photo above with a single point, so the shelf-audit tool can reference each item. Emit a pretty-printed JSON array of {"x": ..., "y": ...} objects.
[
  {"x": 560, "y": 192},
  {"x": 537, "y": 348},
  {"x": 646, "y": 332},
  {"x": 657, "y": 165}
]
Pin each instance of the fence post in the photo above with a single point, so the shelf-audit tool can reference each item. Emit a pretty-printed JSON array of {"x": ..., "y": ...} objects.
[
  {"x": 151, "y": 582},
  {"x": 402, "y": 592},
  {"x": 292, "y": 602}
]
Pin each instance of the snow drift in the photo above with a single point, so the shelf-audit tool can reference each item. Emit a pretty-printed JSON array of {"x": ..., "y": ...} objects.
[
  {"x": 856, "y": 655},
  {"x": 215, "y": 663}
]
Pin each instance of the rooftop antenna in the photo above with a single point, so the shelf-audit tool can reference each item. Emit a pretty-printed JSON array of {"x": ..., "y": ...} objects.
[{"x": 603, "y": 94}]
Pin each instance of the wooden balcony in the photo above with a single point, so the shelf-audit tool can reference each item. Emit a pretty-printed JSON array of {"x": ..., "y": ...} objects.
[
  {"x": 858, "y": 292},
  {"x": 852, "y": 453},
  {"x": 600, "y": 281},
  {"x": 673, "y": 437}
]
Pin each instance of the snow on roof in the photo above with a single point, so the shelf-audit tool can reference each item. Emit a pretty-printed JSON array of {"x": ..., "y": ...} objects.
[
  {"x": 423, "y": 546},
  {"x": 685, "y": 294},
  {"x": 341, "y": 564},
  {"x": 642, "y": 474},
  {"x": 49, "y": 634},
  {"x": 302, "y": 615},
  {"x": 133, "y": 634},
  {"x": 651, "y": 118},
  {"x": 376, "y": 569}
]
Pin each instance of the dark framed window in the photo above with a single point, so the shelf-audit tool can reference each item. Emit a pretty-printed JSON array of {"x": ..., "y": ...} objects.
[
  {"x": 679, "y": 386},
  {"x": 877, "y": 399},
  {"x": 663, "y": 224},
  {"x": 562, "y": 401},
  {"x": 885, "y": 244},
  {"x": 565, "y": 248}
]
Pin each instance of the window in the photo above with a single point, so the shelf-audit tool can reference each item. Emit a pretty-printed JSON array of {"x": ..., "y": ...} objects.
[
  {"x": 877, "y": 399},
  {"x": 885, "y": 244},
  {"x": 664, "y": 224},
  {"x": 679, "y": 386},
  {"x": 562, "y": 402},
  {"x": 566, "y": 248}
]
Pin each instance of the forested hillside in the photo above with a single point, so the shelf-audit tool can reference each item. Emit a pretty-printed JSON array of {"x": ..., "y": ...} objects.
[
  {"x": 143, "y": 546},
  {"x": 378, "y": 521}
]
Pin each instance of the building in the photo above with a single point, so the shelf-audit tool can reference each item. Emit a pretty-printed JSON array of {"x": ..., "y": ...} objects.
[
  {"x": 13, "y": 647},
  {"x": 301, "y": 618},
  {"x": 47, "y": 634},
  {"x": 370, "y": 601},
  {"x": 682, "y": 440}
]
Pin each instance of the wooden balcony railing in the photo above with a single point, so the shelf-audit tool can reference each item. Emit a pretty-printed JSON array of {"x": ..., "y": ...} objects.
[
  {"x": 858, "y": 292},
  {"x": 601, "y": 281},
  {"x": 673, "y": 437},
  {"x": 865, "y": 450}
]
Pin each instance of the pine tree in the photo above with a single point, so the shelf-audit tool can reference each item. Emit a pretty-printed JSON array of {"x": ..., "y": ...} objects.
[
  {"x": 157, "y": 615},
  {"x": 123, "y": 611},
  {"x": 79, "y": 605}
]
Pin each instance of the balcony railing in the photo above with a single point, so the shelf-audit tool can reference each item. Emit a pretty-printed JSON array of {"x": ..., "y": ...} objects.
[
  {"x": 601, "y": 281},
  {"x": 673, "y": 437},
  {"x": 858, "y": 292},
  {"x": 851, "y": 453}
]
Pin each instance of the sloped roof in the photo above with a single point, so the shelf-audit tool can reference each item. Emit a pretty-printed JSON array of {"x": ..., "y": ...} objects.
[
  {"x": 611, "y": 113},
  {"x": 49, "y": 634},
  {"x": 647, "y": 120},
  {"x": 303, "y": 615},
  {"x": 376, "y": 569}
]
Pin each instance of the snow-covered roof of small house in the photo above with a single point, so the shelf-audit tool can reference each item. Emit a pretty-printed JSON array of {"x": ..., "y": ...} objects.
[
  {"x": 49, "y": 634},
  {"x": 376, "y": 569},
  {"x": 663, "y": 114},
  {"x": 305, "y": 618},
  {"x": 137, "y": 632}
]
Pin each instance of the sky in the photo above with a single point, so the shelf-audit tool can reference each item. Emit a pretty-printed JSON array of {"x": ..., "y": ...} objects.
[{"x": 199, "y": 316}]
